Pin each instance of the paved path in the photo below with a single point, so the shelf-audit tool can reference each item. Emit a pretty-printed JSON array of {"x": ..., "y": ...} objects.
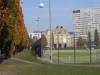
[
  {"x": 25, "y": 61},
  {"x": 54, "y": 59}
]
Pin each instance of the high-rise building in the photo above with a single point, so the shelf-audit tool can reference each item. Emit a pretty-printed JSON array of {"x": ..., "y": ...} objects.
[{"x": 86, "y": 20}]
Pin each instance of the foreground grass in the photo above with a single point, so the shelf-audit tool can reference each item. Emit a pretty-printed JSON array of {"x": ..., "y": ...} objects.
[{"x": 20, "y": 68}]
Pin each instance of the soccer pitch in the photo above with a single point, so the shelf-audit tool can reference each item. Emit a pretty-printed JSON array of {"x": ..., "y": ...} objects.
[{"x": 80, "y": 56}]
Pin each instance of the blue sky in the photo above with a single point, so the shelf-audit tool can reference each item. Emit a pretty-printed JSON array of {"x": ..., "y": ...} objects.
[{"x": 61, "y": 13}]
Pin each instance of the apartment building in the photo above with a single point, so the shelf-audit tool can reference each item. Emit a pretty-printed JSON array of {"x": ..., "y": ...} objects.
[{"x": 86, "y": 20}]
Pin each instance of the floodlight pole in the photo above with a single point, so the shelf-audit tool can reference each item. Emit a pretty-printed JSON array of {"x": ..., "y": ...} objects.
[
  {"x": 89, "y": 37},
  {"x": 74, "y": 49},
  {"x": 58, "y": 46},
  {"x": 50, "y": 22},
  {"x": 37, "y": 20}
]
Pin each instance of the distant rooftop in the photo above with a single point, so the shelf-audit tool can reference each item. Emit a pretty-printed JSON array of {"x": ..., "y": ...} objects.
[{"x": 38, "y": 31}]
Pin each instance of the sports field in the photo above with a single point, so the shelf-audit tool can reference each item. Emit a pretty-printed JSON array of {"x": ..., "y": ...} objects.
[{"x": 80, "y": 56}]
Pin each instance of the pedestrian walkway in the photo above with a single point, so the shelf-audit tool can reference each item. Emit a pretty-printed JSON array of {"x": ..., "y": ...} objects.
[
  {"x": 25, "y": 61},
  {"x": 46, "y": 57}
]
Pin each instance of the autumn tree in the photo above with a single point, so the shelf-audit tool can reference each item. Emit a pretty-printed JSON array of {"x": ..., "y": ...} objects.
[
  {"x": 80, "y": 42},
  {"x": 21, "y": 37},
  {"x": 13, "y": 33},
  {"x": 7, "y": 21}
]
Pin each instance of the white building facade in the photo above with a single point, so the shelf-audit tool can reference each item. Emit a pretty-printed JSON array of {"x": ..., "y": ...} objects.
[
  {"x": 36, "y": 34},
  {"x": 60, "y": 37}
]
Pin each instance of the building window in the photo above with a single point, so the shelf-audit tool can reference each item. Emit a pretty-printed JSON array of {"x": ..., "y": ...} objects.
[
  {"x": 55, "y": 46},
  {"x": 65, "y": 46},
  {"x": 60, "y": 46},
  {"x": 76, "y": 11}
]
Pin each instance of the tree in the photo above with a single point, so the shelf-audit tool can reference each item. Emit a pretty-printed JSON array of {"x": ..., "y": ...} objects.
[
  {"x": 52, "y": 40},
  {"x": 96, "y": 38},
  {"x": 80, "y": 41},
  {"x": 13, "y": 33},
  {"x": 89, "y": 39},
  {"x": 5, "y": 41},
  {"x": 7, "y": 21},
  {"x": 21, "y": 36},
  {"x": 43, "y": 41},
  {"x": 32, "y": 41},
  {"x": 36, "y": 48},
  {"x": 38, "y": 45}
]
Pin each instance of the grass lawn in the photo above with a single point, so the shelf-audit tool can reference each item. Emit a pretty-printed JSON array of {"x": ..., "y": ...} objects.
[
  {"x": 27, "y": 55},
  {"x": 12, "y": 67},
  {"x": 82, "y": 56}
]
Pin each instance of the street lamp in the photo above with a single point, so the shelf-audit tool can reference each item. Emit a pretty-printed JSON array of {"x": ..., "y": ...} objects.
[
  {"x": 41, "y": 5},
  {"x": 37, "y": 20}
]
